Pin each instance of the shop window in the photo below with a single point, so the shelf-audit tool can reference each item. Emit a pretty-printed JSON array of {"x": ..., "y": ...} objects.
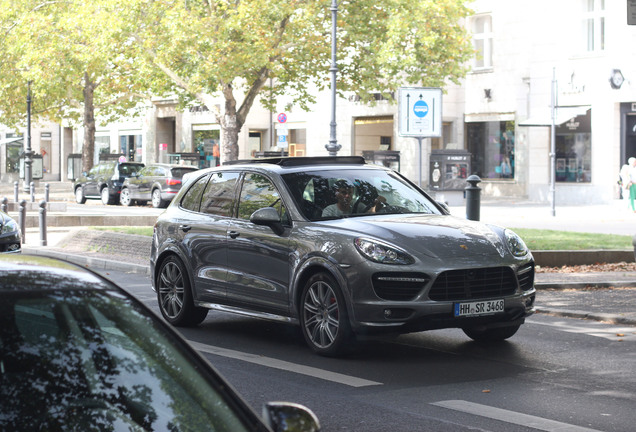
[
  {"x": 574, "y": 150},
  {"x": 131, "y": 147},
  {"x": 593, "y": 25},
  {"x": 492, "y": 146},
  {"x": 207, "y": 144},
  {"x": 481, "y": 26}
]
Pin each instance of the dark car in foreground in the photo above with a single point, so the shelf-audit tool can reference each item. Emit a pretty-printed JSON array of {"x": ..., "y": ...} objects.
[
  {"x": 104, "y": 181},
  {"x": 10, "y": 238},
  {"x": 78, "y": 353},
  {"x": 158, "y": 183},
  {"x": 338, "y": 246}
]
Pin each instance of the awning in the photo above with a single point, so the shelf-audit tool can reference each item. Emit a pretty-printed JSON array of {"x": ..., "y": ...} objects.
[
  {"x": 562, "y": 115},
  {"x": 11, "y": 140}
]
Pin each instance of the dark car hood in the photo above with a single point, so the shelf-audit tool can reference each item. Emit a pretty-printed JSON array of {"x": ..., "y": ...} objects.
[{"x": 436, "y": 236}]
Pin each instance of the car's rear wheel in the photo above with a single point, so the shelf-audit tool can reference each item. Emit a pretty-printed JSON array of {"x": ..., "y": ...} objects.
[
  {"x": 492, "y": 334},
  {"x": 80, "y": 198},
  {"x": 174, "y": 295},
  {"x": 323, "y": 316},
  {"x": 105, "y": 195},
  {"x": 124, "y": 198},
  {"x": 157, "y": 202}
]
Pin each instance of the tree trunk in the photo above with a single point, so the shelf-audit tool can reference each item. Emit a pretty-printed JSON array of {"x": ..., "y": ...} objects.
[
  {"x": 230, "y": 126},
  {"x": 88, "y": 149}
]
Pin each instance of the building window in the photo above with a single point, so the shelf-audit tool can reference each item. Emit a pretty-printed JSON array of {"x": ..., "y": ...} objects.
[
  {"x": 492, "y": 147},
  {"x": 574, "y": 150},
  {"x": 481, "y": 26},
  {"x": 593, "y": 25}
]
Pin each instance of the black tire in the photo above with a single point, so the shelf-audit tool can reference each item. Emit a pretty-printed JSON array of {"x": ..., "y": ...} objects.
[
  {"x": 493, "y": 334},
  {"x": 323, "y": 317},
  {"x": 80, "y": 198},
  {"x": 174, "y": 295},
  {"x": 124, "y": 198},
  {"x": 105, "y": 196},
  {"x": 156, "y": 200}
]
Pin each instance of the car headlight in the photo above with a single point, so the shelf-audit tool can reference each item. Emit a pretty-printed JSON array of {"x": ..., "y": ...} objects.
[
  {"x": 516, "y": 245},
  {"x": 382, "y": 253},
  {"x": 9, "y": 226}
]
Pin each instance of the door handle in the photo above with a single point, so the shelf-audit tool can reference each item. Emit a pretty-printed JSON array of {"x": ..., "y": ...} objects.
[
  {"x": 234, "y": 234},
  {"x": 185, "y": 228}
]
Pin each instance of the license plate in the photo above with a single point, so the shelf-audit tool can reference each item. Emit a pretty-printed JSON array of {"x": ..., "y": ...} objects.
[{"x": 487, "y": 307}]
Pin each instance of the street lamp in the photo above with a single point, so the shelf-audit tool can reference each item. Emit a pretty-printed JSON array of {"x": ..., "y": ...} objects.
[
  {"x": 28, "y": 152},
  {"x": 333, "y": 145}
]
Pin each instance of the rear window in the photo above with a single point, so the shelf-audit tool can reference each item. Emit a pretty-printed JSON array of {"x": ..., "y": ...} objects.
[{"x": 179, "y": 172}]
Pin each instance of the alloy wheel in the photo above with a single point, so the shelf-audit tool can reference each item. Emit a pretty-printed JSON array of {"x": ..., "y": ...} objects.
[
  {"x": 124, "y": 198},
  {"x": 321, "y": 314},
  {"x": 171, "y": 290}
]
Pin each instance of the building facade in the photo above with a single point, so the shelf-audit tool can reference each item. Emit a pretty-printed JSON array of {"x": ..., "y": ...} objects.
[{"x": 496, "y": 124}]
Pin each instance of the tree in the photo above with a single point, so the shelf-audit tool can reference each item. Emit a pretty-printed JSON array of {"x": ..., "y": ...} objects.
[
  {"x": 201, "y": 49},
  {"x": 72, "y": 52}
]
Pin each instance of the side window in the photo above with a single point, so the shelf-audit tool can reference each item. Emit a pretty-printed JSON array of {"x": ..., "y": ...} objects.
[
  {"x": 192, "y": 198},
  {"x": 93, "y": 171},
  {"x": 257, "y": 192},
  {"x": 218, "y": 197}
]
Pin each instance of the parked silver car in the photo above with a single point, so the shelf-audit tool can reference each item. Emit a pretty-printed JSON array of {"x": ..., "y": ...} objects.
[
  {"x": 338, "y": 246},
  {"x": 158, "y": 183}
]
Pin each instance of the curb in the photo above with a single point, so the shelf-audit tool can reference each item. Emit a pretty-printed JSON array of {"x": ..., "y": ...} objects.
[
  {"x": 94, "y": 263},
  {"x": 601, "y": 317}
]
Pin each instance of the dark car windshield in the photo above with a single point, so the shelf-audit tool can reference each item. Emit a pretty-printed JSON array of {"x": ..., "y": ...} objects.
[
  {"x": 179, "y": 172},
  {"x": 92, "y": 361},
  {"x": 322, "y": 195}
]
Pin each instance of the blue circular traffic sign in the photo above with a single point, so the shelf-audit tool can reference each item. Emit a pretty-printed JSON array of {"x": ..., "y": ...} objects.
[
  {"x": 420, "y": 108},
  {"x": 282, "y": 118}
]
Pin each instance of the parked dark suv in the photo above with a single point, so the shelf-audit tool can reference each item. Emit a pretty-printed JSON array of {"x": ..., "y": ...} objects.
[
  {"x": 338, "y": 246},
  {"x": 104, "y": 181},
  {"x": 158, "y": 183}
]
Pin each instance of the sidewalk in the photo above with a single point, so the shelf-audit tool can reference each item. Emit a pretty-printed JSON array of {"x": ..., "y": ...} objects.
[{"x": 607, "y": 296}]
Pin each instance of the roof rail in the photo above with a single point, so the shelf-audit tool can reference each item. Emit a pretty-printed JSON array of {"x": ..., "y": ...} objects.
[{"x": 304, "y": 160}]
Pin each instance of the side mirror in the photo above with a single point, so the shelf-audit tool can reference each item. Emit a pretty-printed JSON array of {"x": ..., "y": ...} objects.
[
  {"x": 268, "y": 216},
  {"x": 285, "y": 416}
]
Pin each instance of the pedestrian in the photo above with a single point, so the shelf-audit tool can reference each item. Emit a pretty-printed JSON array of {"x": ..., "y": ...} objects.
[
  {"x": 623, "y": 183},
  {"x": 632, "y": 182}
]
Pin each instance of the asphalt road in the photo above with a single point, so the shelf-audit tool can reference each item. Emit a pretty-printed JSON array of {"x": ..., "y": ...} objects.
[{"x": 556, "y": 374}]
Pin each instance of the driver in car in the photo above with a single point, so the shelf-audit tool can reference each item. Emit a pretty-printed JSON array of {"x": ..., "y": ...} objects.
[{"x": 344, "y": 202}]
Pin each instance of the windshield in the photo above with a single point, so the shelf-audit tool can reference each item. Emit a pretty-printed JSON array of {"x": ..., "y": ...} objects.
[
  {"x": 90, "y": 361},
  {"x": 334, "y": 194}
]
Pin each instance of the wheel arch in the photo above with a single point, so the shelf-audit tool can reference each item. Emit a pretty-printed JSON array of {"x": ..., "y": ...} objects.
[
  {"x": 173, "y": 250},
  {"x": 319, "y": 265}
]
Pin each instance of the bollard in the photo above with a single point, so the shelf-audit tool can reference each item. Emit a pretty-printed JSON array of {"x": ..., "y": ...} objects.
[
  {"x": 472, "y": 198},
  {"x": 5, "y": 204},
  {"x": 43, "y": 223},
  {"x": 22, "y": 219},
  {"x": 15, "y": 192},
  {"x": 46, "y": 192},
  {"x": 32, "y": 191}
]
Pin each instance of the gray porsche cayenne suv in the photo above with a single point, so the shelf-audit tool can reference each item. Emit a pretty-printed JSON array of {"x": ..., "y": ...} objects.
[{"x": 338, "y": 246}]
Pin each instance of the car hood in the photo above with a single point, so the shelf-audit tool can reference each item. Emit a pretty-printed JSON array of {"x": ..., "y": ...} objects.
[{"x": 436, "y": 236}]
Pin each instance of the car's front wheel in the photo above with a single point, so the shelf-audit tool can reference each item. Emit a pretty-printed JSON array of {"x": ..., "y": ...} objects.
[
  {"x": 323, "y": 316},
  {"x": 174, "y": 295},
  {"x": 124, "y": 197},
  {"x": 80, "y": 198},
  {"x": 492, "y": 334}
]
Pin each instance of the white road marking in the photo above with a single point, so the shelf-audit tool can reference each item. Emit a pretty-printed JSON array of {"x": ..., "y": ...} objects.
[
  {"x": 286, "y": 366},
  {"x": 513, "y": 417},
  {"x": 605, "y": 331}
]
